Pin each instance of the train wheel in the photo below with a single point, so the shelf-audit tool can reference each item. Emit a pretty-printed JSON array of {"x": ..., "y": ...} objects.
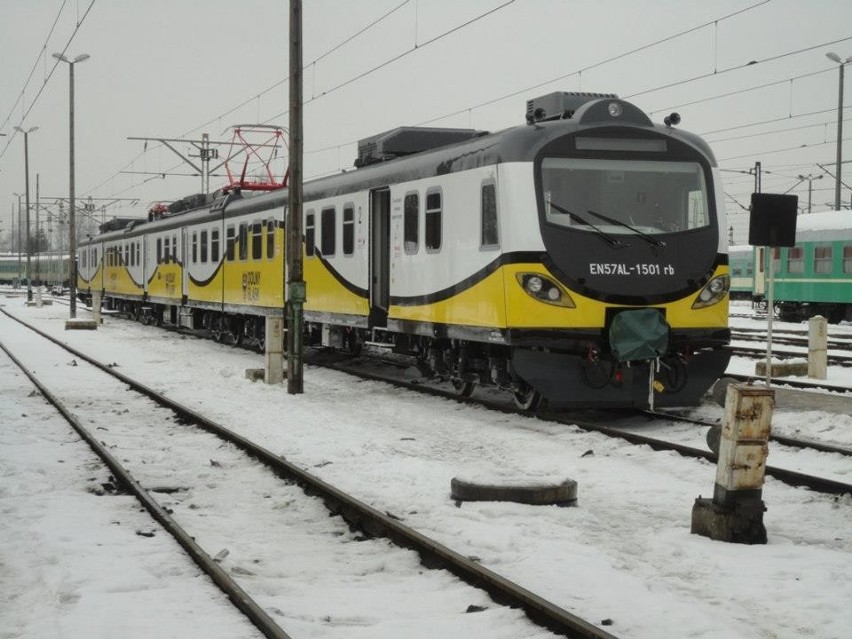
[
  {"x": 527, "y": 398},
  {"x": 462, "y": 388}
]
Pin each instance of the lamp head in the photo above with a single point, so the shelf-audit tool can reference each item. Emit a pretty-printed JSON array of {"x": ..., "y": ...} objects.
[{"x": 831, "y": 55}]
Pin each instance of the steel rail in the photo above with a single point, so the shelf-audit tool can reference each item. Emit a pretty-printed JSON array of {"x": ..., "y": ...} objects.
[{"x": 239, "y": 597}]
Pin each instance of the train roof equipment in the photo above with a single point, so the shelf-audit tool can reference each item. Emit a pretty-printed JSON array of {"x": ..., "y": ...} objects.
[
  {"x": 408, "y": 140},
  {"x": 258, "y": 144}
]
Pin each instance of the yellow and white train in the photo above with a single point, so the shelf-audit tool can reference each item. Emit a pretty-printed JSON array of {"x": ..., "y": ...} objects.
[{"x": 580, "y": 257}]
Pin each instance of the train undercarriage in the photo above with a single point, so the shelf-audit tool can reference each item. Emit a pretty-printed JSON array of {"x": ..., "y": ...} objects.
[{"x": 585, "y": 375}]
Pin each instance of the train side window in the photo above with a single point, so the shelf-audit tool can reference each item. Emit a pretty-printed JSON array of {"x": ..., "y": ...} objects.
[
  {"x": 214, "y": 246},
  {"x": 847, "y": 259},
  {"x": 270, "y": 239},
  {"x": 348, "y": 229},
  {"x": 242, "y": 240},
  {"x": 175, "y": 256},
  {"x": 411, "y": 223},
  {"x": 310, "y": 234},
  {"x": 159, "y": 250},
  {"x": 230, "y": 234},
  {"x": 795, "y": 259},
  {"x": 776, "y": 259},
  {"x": 256, "y": 240},
  {"x": 433, "y": 221},
  {"x": 194, "y": 247},
  {"x": 489, "y": 236},
  {"x": 328, "y": 232},
  {"x": 822, "y": 259},
  {"x": 203, "y": 247},
  {"x": 166, "y": 250},
  {"x": 126, "y": 254}
]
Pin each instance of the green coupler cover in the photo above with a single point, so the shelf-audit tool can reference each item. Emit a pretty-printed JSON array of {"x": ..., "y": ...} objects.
[{"x": 642, "y": 334}]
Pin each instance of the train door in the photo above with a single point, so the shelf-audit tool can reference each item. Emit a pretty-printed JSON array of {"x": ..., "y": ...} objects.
[{"x": 379, "y": 256}]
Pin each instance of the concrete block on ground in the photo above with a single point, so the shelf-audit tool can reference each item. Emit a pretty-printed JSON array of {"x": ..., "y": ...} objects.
[
  {"x": 255, "y": 374},
  {"x": 523, "y": 490},
  {"x": 80, "y": 324},
  {"x": 797, "y": 368}
]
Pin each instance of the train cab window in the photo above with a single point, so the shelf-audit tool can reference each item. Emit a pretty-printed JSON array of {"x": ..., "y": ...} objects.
[
  {"x": 822, "y": 259},
  {"x": 230, "y": 234},
  {"x": 489, "y": 236},
  {"x": 433, "y": 221},
  {"x": 257, "y": 240},
  {"x": 159, "y": 250},
  {"x": 348, "y": 229},
  {"x": 310, "y": 234},
  {"x": 203, "y": 247},
  {"x": 795, "y": 260},
  {"x": 411, "y": 223},
  {"x": 328, "y": 232},
  {"x": 214, "y": 246},
  {"x": 194, "y": 248},
  {"x": 242, "y": 240},
  {"x": 270, "y": 239},
  {"x": 847, "y": 259}
]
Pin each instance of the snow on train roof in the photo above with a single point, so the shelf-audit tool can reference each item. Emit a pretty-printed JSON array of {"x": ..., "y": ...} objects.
[{"x": 826, "y": 225}]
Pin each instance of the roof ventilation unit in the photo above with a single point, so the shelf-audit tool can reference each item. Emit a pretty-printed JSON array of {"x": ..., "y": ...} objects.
[{"x": 407, "y": 140}]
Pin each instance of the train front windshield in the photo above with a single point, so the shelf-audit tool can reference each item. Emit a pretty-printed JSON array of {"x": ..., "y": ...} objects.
[{"x": 624, "y": 196}]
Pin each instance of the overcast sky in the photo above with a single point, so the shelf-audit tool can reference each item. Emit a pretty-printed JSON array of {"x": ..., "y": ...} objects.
[{"x": 178, "y": 68}]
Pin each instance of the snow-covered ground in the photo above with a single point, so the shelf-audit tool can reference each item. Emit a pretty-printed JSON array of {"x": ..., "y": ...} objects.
[{"x": 624, "y": 553}]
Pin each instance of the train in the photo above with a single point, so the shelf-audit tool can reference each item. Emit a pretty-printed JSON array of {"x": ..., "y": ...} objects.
[
  {"x": 814, "y": 277},
  {"x": 47, "y": 267},
  {"x": 577, "y": 257}
]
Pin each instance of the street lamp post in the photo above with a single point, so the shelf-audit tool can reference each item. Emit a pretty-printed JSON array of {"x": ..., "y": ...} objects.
[
  {"x": 831, "y": 55},
  {"x": 19, "y": 196},
  {"x": 72, "y": 244},
  {"x": 26, "y": 133}
]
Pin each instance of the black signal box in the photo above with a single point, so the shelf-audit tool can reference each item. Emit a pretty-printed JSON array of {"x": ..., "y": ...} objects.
[{"x": 773, "y": 219}]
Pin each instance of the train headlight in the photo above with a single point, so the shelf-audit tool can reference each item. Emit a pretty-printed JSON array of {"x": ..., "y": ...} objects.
[
  {"x": 534, "y": 284},
  {"x": 544, "y": 289},
  {"x": 713, "y": 292},
  {"x": 615, "y": 109}
]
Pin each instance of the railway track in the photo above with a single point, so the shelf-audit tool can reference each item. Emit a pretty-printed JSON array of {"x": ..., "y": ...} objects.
[
  {"x": 369, "y": 521},
  {"x": 603, "y": 424}
]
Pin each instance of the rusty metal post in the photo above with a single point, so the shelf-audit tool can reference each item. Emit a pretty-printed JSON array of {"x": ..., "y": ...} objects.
[{"x": 735, "y": 513}]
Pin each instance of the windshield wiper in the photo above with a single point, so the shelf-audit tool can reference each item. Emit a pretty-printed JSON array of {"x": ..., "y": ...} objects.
[
  {"x": 648, "y": 238},
  {"x": 606, "y": 237}
]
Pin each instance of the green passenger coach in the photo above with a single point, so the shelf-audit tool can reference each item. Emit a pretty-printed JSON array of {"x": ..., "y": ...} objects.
[{"x": 814, "y": 277}]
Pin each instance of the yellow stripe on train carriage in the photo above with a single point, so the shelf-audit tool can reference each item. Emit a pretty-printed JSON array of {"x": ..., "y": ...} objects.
[
  {"x": 166, "y": 281},
  {"x": 327, "y": 293},
  {"x": 117, "y": 279},
  {"x": 500, "y": 301}
]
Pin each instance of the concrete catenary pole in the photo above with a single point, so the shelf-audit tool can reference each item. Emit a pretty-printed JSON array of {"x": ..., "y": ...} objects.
[{"x": 296, "y": 293}]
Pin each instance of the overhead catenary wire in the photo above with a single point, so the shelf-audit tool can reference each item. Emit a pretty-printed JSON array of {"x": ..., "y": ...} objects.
[{"x": 28, "y": 109}]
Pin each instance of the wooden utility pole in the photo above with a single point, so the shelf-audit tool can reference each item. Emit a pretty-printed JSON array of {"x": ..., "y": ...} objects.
[{"x": 296, "y": 293}]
